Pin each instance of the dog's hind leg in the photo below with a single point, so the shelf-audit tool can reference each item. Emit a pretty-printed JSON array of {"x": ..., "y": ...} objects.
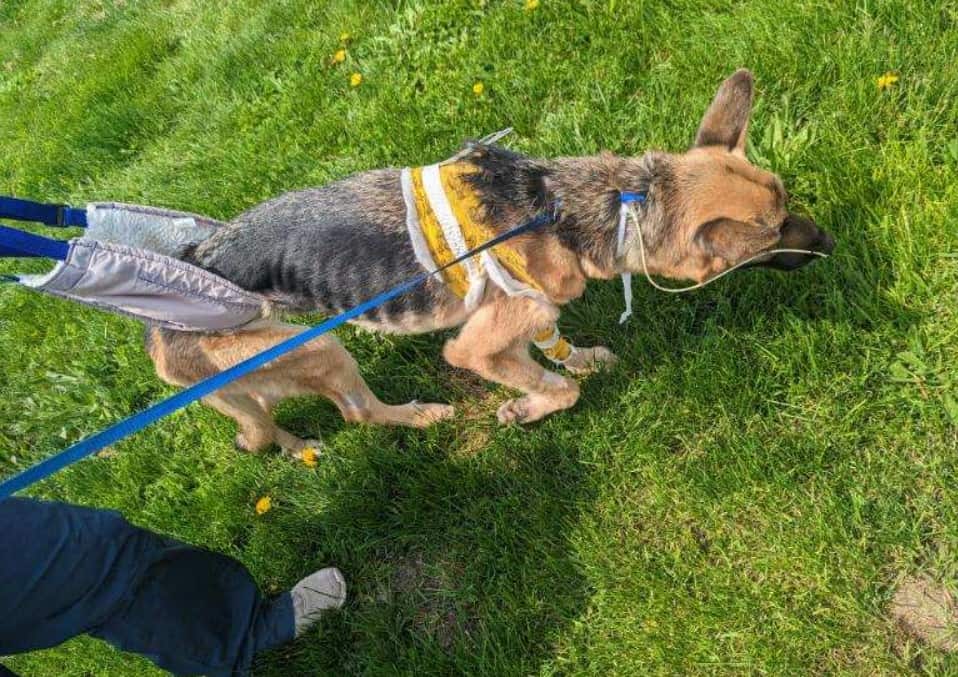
[
  {"x": 337, "y": 377},
  {"x": 256, "y": 428},
  {"x": 322, "y": 367},
  {"x": 494, "y": 343},
  {"x": 325, "y": 367},
  {"x": 183, "y": 358}
]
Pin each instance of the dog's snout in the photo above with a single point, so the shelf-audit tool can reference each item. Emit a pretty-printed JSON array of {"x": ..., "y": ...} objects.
[
  {"x": 826, "y": 243},
  {"x": 799, "y": 232}
]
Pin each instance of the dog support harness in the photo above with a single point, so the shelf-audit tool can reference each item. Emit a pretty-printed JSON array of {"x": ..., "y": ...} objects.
[
  {"x": 127, "y": 262},
  {"x": 441, "y": 217}
]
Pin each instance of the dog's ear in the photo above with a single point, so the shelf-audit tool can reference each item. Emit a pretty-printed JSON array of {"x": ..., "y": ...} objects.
[
  {"x": 726, "y": 121},
  {"x": 734, "y": 240}
]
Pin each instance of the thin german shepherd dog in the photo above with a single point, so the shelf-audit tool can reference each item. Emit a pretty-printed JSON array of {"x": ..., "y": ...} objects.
[{"x": 328, "y": 249}]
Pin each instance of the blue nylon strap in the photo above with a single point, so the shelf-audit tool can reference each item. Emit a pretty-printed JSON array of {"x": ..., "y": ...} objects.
[
  {"x": 9, "y": 253},
  {"x": 51, "y": 215},
  {"x": 73, "y": 216},
  {"x": 629, "y": 196},
  {"x": 15, "y": 242},
  {"x": 151, "y": 414}
]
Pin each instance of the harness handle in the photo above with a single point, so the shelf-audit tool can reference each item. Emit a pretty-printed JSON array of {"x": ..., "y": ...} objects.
[
  {"x": 19, "y": 243},
  {"x": 58, "y": 215}
]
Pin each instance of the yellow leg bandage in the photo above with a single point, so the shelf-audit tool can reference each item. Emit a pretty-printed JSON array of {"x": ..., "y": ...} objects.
[{"x": 553, "y": 345}]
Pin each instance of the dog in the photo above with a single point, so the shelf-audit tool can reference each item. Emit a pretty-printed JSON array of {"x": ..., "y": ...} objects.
[{"x": 328, "y": 249}]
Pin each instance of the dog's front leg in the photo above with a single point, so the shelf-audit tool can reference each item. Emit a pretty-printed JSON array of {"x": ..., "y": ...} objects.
[
  {"x": 589, "y": 360},
  {"x": 579, "y": 361},
  {"x": 494, "y": 343}
]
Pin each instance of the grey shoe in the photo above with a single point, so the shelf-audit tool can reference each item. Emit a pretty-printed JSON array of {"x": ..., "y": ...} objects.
[{"x": 321, "y": 591}]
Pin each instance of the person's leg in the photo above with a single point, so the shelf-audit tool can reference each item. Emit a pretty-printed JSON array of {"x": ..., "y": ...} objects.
[
  {"x": 200, "y": 612},
  {"x": 194, "y": 612},
  {"x": 70, "y": 570},
  {"x": 64, "y": 569}
]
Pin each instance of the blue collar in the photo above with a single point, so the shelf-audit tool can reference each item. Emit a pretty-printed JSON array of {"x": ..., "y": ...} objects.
[{"x": 631, "y": 196}]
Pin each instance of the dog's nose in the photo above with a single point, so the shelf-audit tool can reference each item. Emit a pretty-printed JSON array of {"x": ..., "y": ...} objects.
[{"x": 825, "y": 244}]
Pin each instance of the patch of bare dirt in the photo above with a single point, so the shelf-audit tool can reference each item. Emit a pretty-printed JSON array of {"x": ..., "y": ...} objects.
[
  {"x": 926, "y": 610},
  {"x": 431, "y": 590}
]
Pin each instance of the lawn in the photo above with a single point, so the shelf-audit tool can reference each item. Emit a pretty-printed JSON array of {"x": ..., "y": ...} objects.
[{"x": 740, "y": 495}]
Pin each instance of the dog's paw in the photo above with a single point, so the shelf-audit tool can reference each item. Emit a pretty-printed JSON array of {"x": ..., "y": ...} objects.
[
  {"x": 242, "y": 443},
  {"x": 514, "y": 411},
  {"x": 306, "y": 451},
  {"x": 428, "y": 414},
  {"x": 561, "y": 393},
  {"x": 528, "y": 409},
  {"x": 590, "y": 360}
]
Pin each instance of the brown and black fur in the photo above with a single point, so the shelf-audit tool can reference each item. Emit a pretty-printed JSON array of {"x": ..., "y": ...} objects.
[{"x": 327, "y": 249}]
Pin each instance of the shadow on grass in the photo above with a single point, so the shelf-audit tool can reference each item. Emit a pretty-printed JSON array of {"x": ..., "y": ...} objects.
[{"x": 456, "y": 564}]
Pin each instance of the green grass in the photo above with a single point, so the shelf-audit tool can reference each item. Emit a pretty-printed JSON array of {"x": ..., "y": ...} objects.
[{"x": 740, "y": 495}]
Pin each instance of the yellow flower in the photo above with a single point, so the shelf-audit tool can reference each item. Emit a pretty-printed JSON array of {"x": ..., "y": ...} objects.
[
  {"x": 339, "y": 56},
  {"x": 887, "y": 80},
  {"x": 309, "y": 457},
  {"x": 478, "y": 89},
  {"x": 344, "y": 37},
  {"x": 264, "y": 505},
  {"x": 531, "y": 5},
  {"x": 355, "y": 79}
]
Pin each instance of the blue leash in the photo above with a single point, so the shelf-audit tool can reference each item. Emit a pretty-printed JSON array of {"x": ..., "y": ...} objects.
[{"x": 151, "y": 414}]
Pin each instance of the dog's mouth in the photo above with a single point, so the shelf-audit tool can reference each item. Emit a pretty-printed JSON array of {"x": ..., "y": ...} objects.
[{"x": 802, "y": 234}]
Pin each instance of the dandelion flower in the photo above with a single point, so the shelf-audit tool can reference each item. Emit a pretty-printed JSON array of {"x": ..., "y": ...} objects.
[
  {"x": 264, "y": 505},
  {"x": 339, "y": 56},
  {"x": 309, "y": 457},
  {"x": 344, "y": 37},
  {"x": 355, "y": 79},
  {"x": 478, "y": 89},
  {"x": 887, "y": 80},
  {"x": 531, "y": 5}
]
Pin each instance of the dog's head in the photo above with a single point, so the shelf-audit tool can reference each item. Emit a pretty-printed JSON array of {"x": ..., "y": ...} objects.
[{"x": 711, "y": 209}]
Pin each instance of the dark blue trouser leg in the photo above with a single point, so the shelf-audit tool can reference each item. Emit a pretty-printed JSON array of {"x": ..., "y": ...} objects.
[
  {"x": 196, "y": 612},
  {"x": 66, "y": 570}
]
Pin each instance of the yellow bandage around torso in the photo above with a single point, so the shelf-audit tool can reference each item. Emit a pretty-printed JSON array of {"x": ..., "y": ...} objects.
[
  {"x": 445, "y": 212},
  {"x": 443, "y": 216}
]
